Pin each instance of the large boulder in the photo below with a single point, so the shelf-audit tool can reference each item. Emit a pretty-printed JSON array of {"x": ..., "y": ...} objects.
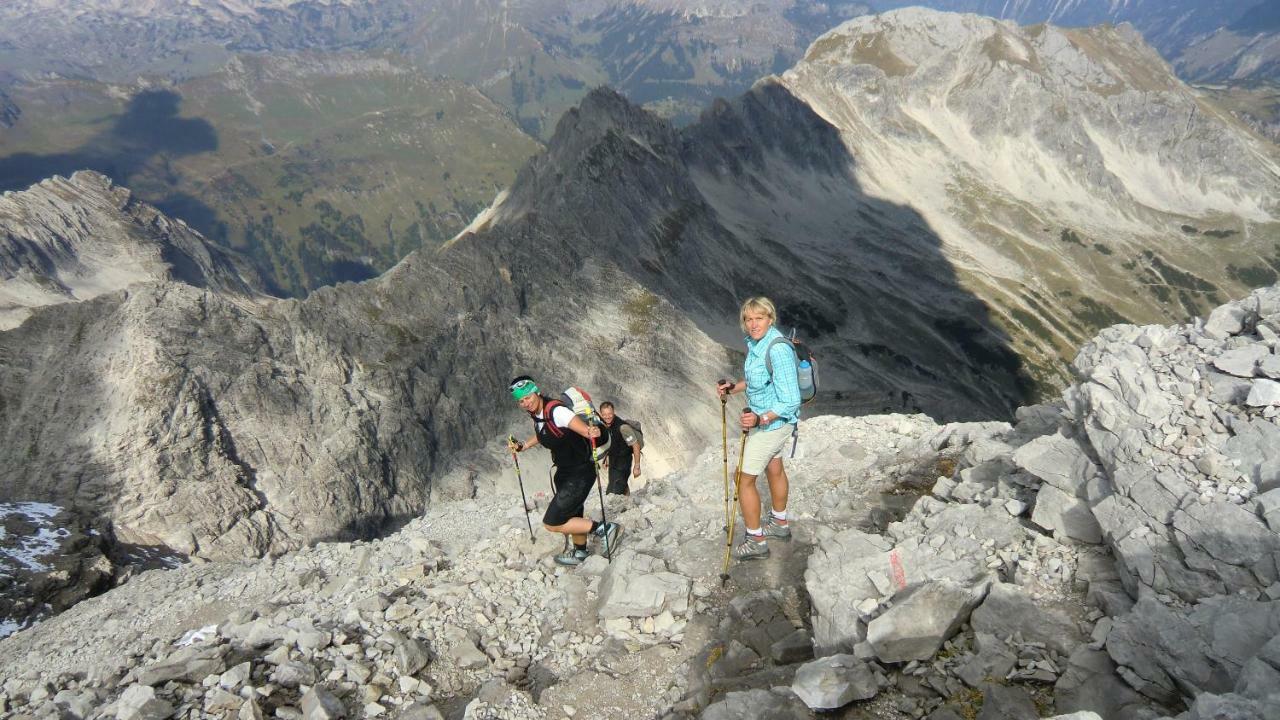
[
  {"x": 853, "y": 572},
  {"x": 1058, "y": 461},
  {"x": 1065, "y": 515},
  {"x": 190, "y": 664},
  {"x": 835, "y": 681},
  {"x": 1009, "y": 610},
  {"x": 639, "y": 585},
  {"x": 1256, "y": 445},
  {"x": 922, "y": 618},
  {"x": 757, "y": 705}
]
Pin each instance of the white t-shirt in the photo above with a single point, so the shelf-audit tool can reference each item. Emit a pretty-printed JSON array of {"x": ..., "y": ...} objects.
[{"x": 560, "y": 415}]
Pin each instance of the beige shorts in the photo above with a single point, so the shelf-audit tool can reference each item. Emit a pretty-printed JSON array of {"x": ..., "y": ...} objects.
[{"x": 763, "y": 446}]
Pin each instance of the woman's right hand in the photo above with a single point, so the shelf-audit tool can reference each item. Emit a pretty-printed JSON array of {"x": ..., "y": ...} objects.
[{"x": 724, "y": 388}]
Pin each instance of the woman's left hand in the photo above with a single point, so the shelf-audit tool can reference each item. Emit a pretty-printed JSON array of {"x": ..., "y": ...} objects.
[{"x": 749, "y": 420}]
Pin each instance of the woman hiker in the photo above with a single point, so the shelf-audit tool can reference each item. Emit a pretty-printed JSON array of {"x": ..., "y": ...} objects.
[
  {"x": 773, "y": 409},
  {"x": 575, "y": 469}
]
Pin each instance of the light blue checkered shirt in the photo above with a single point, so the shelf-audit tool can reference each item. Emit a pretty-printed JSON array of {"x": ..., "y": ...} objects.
[{"x": 779, "y": 394}]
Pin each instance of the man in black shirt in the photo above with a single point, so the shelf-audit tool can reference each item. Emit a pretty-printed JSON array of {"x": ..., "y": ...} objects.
[{"x": 624, "y": 454}]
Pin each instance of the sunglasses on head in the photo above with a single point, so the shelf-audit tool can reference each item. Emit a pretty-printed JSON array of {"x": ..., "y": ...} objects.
[{"x": 521, "y": 384}]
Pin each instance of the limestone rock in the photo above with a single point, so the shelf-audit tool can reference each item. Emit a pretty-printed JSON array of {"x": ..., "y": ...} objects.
[
  {"x": 1008, "y": 610},
  {"x": 757, "y": 705},
  {"x": 1256, "y": 445},
  {"x": 190, "y": 664},
  {"x": 1065, "y": 515},
  {"x": 1225, "y": 320},
  {"x": 1264, "y": 393},
  {"x": 1058, "y": 461},
  {"x": 1242, "y": 362},
  {"x": 921, "y": 618},
  {"x": 834, "y": 681},
  {"x": 639, "y": 585},
  {"x": 1006, "y": 702},
  {"x": 1091, "y": 683},
  {"x": 139, "y": 702},
  {"x": 320, "y": 704}
]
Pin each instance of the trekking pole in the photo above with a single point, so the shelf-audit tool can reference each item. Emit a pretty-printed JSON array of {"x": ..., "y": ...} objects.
[
  {"x": 728, "y": 537},
  {"x": 604, "y": 521},
  {"x": 511, "y": 439},
  {"x": 724, "y": 449}
]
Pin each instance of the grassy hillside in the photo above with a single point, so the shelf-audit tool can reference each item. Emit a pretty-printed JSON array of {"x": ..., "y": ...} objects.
[{"x": 322, "y": 167}]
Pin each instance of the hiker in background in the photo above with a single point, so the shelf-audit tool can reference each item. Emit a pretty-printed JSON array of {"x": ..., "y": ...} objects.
[
  {"x": 773, "y": 409},
  {"x": 575, "y": 468},
  {"x": 624, "y": 453}
]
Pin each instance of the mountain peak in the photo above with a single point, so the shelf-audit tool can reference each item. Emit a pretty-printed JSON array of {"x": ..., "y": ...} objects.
[{"x": 1105, "y": 59}]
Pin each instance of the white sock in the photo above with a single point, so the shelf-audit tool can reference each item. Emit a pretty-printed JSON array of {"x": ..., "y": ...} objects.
[
  {"x": 755, "y": 533},
  {"x": 779, "y": 514}
]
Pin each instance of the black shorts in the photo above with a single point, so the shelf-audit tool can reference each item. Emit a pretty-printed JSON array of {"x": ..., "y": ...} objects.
[{"x": 573, "y": 487}]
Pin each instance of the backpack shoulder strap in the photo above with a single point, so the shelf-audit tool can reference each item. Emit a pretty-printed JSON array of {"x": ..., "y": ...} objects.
[
  {"x": 768, "y": 361},
  {"x": 548, "y": 420}
]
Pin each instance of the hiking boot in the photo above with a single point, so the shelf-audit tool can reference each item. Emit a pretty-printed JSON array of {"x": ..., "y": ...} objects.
[
  {"x": 608, "y": 534},
  {"x": 572, "y": 556},
  {"x": 750, "y": 549},
  {"x": 774, "y": 530}
]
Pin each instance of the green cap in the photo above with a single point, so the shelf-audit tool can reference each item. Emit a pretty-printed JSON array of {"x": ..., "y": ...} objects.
[{"x": 522, "y": 387}]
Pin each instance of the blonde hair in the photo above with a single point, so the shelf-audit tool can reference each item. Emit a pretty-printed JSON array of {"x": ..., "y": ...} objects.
[{"x": 760, "y": 304}]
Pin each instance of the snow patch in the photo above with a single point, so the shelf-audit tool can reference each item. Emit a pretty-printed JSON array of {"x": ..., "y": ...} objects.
[
  {"x": 28, "y": 551},
  {"x": 198, "y": 635}
]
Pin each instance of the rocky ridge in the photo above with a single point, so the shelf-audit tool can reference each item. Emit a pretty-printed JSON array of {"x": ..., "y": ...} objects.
[
  {"x": 73, "y": 239},
  {"x": 1005, "y": 589},
  {"x": 1032, "y": 152}
]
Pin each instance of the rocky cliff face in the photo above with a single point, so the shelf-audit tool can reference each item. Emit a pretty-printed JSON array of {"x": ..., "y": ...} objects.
[
  {"x": 1066, "y": 175},
  {"x": 73, "y": 239}
]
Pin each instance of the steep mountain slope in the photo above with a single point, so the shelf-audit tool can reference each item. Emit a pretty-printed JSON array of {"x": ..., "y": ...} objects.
[
  {"x": 1071, "y": 178},
  {"x": 322, "y": 167},
  {"x": 216, "y": 428},
  {"x": 67, "y": 240}
]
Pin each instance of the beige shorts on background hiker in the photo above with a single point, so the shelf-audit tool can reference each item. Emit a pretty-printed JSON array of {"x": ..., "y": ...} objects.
[{"x": 763, "y": 446}]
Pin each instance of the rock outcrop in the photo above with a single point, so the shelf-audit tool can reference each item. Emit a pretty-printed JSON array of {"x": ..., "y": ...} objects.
[{"x": 73, "y": 239}]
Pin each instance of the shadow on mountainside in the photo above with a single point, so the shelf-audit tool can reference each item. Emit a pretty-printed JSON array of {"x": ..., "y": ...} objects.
[
  {"x": 760, "y": 197},
  {"x": 149, "y": 129}
]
